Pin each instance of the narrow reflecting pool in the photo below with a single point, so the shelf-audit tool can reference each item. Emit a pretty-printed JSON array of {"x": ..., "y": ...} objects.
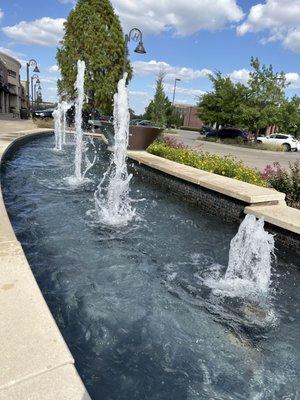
[{"x": 132, "y": 303}]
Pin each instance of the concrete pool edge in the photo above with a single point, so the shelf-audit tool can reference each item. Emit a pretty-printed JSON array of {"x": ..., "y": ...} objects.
[
  {"x": 262, "y": 202},
  {"x": 35, "y": 361}
]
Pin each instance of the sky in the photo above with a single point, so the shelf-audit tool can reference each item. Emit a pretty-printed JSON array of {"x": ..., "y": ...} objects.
[{"x": 186, "y": 39}]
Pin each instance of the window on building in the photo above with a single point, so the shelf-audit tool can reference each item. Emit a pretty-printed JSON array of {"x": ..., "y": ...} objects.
[{"x": 12, "y": 73}]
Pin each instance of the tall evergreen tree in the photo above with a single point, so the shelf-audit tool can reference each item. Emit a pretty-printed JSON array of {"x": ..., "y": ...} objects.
[
  {"x": 93, "y": 34},
  {"x": 158, "y": 111}
]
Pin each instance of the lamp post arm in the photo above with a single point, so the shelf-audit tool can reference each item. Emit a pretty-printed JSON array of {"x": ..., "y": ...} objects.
[{"x": 174, "y": 92}]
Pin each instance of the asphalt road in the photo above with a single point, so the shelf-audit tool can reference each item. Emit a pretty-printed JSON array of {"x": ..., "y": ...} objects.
[{"x": 251, "y": 157}]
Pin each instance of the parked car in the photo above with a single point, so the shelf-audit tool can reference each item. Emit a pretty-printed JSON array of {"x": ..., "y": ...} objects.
[
  {"x": 43, "y": 113},
  {"x": 207, "y": 130},
  {"x": 288, "y": 142},
  {"x": 143, "y": 122},
  {"x": 229, "y": 133}
]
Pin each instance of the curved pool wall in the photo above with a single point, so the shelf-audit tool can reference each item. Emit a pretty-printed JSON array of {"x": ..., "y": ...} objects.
[
  {"x": 35, "y": 361},
  {"x": 143, "y": 326}
]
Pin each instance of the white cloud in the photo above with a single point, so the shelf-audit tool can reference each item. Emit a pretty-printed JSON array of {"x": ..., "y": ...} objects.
[
  {"x": 293, "y": 78},
  {"x": 278, "y": 18},
  {"x": 138, "y": 93},
  {"x": 169, "y": 88},
  {"x": 45, "y": 31},
  {"x": 292, "y": 40},
  {"x": 1, "y": 14},
  {"x": 185, "y": 17},
  {"x": 240, "y": 75},
  {"x": 54, "y": 69},
  {"x": 154, "y": 67}
]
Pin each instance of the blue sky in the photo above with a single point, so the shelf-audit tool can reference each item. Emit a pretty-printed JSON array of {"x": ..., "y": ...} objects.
[{"x": 186, "y": 40}]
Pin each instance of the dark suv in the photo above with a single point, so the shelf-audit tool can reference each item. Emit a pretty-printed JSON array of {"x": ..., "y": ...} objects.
[{"x": 229, "y": 133}]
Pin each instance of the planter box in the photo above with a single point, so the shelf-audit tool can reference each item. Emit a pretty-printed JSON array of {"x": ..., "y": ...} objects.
[{"x": 140, "y": 137}]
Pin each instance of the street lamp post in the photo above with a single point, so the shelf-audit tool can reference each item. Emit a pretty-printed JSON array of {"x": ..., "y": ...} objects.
[
  {"x": 31, "y": 63},
  {"x": 37, "y": 91},
  {"x": 175, "y": 85},
  {"x": 135, "y": 35},
  {"x": 34, "y": 77}
]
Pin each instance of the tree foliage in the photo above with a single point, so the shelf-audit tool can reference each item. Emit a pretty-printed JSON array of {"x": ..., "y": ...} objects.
[
  {"x": 157, "y": 109},
  {"x": 160, "y": 110},
  {"x": 92, "y": 33},
  {"x": 254, "y": 106}
]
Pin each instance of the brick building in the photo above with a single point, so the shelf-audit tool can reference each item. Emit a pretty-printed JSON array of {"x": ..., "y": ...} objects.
[{"x": 189, "y": 114}]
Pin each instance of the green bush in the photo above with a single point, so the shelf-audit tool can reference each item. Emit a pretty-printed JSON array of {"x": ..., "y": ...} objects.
[{"x": 226, "y": 166}]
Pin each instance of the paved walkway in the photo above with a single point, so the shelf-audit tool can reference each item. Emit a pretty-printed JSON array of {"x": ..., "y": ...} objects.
[
  {"x": 251, "y": 157},
  {"x": 16, "y": 125}
]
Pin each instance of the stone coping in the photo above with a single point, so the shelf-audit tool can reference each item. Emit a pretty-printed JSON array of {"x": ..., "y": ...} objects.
[
  {"x": 262, "y": 202},
  {"x": 246, "y": 192},
  {"x": 35, "y": 362},
  {"x": 285, "y": 217}
]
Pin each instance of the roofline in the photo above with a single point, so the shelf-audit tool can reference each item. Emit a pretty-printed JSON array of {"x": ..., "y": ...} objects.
[{"x": 11, "y": 58}]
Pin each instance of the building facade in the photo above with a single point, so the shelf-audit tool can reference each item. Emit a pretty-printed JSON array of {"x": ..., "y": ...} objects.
[
  {"x": 189, "y": 115},
  {"x": 12, "y": 93}
]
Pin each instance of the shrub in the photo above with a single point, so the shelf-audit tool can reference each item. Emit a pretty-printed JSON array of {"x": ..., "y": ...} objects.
[
  {"x": 44, "y": 122},
  {"x": 284, "y": 181},
  {"x": 226, "y": 166}
]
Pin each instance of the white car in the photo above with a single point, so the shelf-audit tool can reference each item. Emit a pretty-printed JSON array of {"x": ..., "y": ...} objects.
[{"x": 288, "y": 142}]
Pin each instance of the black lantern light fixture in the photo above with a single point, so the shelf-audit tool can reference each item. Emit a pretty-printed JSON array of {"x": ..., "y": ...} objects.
[{"x": 136, "y": 36}]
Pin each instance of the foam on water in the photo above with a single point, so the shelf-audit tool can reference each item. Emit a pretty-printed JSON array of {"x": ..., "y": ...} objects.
[
  {"x": 112, "y": 200},
  {"x": 250, "y": 260}
]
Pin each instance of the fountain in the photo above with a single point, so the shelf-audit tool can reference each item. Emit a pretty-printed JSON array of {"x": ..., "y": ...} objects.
[
  {"x": 58, "y": 128},
  {"x": 81, "y": 161},
  {"x": 112, "y": 200},
  {"x": 250, "y": 260},
  {"x": 59, "y": 115},
  {"x": 78, "y": 120}
]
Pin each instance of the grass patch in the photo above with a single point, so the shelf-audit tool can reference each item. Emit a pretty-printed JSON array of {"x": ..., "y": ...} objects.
[
  {"x": 44, "y": 122},
  {"x": 248, "y": 145}
]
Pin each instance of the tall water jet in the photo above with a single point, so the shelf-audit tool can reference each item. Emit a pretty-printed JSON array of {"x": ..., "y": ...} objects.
[
  {"x": 79, "y": 86},
  {"x": 81, "y": 162},
  {"x": 59, "y": 115},
  {"x": 65, "y": 106},
  {"x": 112, "y": 200},
  {"x": 58, "y": 128},
  {"x": 250, "y": 260}
]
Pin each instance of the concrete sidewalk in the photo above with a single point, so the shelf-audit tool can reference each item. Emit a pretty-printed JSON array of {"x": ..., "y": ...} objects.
[
  {"x": 16, "y": 125},
  {"x": 251, "y": 157}
]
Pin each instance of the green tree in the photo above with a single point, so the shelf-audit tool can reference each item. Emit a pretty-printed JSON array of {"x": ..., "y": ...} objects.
[
  {"x": 290, "y": 118},
  {"x": 158, "y": 108},
  {"x": 266, "y": 96},
  {"x": 39, "y": 98},
  {"x": 93, "y": 34},
  {"x": 223, "y": 105},
  {"x": 254, "y": 106}
]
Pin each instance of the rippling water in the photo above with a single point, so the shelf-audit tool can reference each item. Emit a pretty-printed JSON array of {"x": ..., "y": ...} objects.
[{"x": 132, "y": 303}]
